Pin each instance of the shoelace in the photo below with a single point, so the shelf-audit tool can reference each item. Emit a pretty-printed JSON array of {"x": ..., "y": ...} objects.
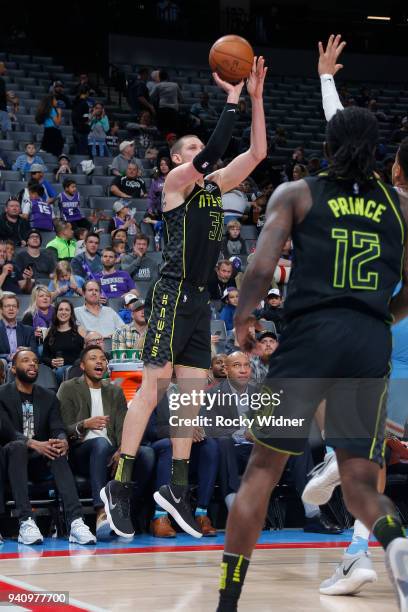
[
  {"x": 319, "y": 467},
  {"x": 124, "y": 506}
]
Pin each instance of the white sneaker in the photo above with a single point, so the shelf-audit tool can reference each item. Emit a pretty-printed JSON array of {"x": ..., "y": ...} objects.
[
  {"x": 325, "y": 478},
  {"x": 80, "y": 533},
  {"x": 29, "y": 533},
  {"x": 350, "y": 576},
  {"x": 396, "y": 562}
]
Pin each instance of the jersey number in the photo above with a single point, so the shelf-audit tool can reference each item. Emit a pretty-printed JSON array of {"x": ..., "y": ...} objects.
[
  {"x": 44, "y": 210},
  {"x": 351, "y": 270},
  {"x": 217, "y": 225}
]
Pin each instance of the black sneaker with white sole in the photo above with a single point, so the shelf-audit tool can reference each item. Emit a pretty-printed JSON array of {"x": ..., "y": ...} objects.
[
  {"x": 116, "y": 498},
  {"x": 179, "y": 508}
]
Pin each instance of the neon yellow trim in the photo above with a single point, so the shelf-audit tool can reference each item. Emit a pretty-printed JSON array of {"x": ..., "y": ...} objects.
[
  {"x": 223, "y": 577},
  {"x": 278, "y": 450},
  {"x": 184, "y": 229},
  {"x": 237, "y": 571},
  {"x": 377, "y": 420},
  {"x": 387, "y": 195},
  {"x": 174, "y": 317},
  {"x": 151, "y": 314}
]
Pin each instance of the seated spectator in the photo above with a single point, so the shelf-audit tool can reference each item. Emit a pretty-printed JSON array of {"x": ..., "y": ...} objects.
[
  {"x": 280, "y": 138},
  {"x": 119, "y": 248},
  {"x": 132, "y": 334},
  {"x": 298, "y": 157},
  {"x": 12, "y": 279},
  {"x": 313, "y": 165},
  {"x": 80, "y": 120},
  {"x": 114, "y": 283},
  {"x": 64, "y": 167},
  {"x": 92, "y": 316},
  {"x": 25, "y": 161},
  {"x": 121, "y": 219},
  {"x": 80, "y": 234},
  {"x": 13, "y": 226},
  {"x": 234, "y": 203},
  {"x": 37, "y": 176},
  {"x": 91, "y": 338},
  {"x": 40, "y": 313},
  {"x": 221, "y": 279},
  {"x": 268, "y": 342},
  {"x": 130, "y": 185},
  {"x": 202, "y": 109},
  {"x": 88, "y": 263},
  {"x": 69, "y": 204},
  {"x": 120, "y": 235},
  {"x": 49, "y": 115},
  {"x": 272, "y": 309},
  {"x": 232, "y": 243},
  {"x": 145, "y": 132},
  {"x": 99, "y": 128},
  {"x": 93, "y": 411},
  {"x": 126, "y": 154},
  {"x": 125, "y": 312},
  {"x": 64, "y": 340},
  {"x": 41, "y": 263},
  {"x": 139, "y": 265},
  {"x": 34, "y": 208},
  {"x": 64, "y": 283},
  {"x": 230, "y": 299},
  {"x": 217, "y": 371},
  {"x": 12, "y": 333},
  {"x": 299, "y": 171},
  {"x": 84, "y": 82},
  {"x": 10, "y": 250},
  {"x": 63, "y": 246},
  {"x": 39, "y": 436},
  {"x": 58, "y": 89},
  {"x": 232, "y": 345},
  {"x": 156, "y": 186}
]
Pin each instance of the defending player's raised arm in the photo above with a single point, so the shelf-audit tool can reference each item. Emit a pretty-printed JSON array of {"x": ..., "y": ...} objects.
[
  {"x": 327, "y": 68},
  {"x": 187, "y": 173},
  {"x": 399, "y": 303},
  {"x": 259, "y": 273},
  {"x": 242, "y": 166}
]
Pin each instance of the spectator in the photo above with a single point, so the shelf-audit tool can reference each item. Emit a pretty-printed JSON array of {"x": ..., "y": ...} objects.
[
  {"x": 138, "y": 94},
  {"x": 80, "y": 234},
  {"x": 64, "y": 167},
  {"x": 112, "y": 139},
  {"x": 64, "y": 282},
  {"x": 130, "y": 185},
  {"x": 49, "y": 115},
  {"x": 156, "y": 187},
  {"x": 25, "y": 161},
  {"x": 298, "y": 157},
  {"x": 234, "y": 203},
  {"x": 171, "y": 139},
  {"x": 217, "y": 371},
  {"x": 99, "y": 128},
  {"x": 39, "y": 437},
  {"x": 131, "y": 335},
  {"x": 280, "y": 138},
  {"x": 221, "y": 279},
  {"x": 11, "y": 277},
  {"x": 268, "y": 341},
  {"x": 121, "y": 219},
  {"x": 166, "y": 97},
  {"x": 313, "y": 165},
  {"x": 64, "y": 340},
  {"x": 84, "y": 83},
  {"x": 80, "y": 120},
  {"x": 232, "y": 243},
  {"x": 154, "y": 79},
  {"x": 144, "y": 131},
  {"x": 272, "y": 310},
  {"x": 37, "y": 176},
  {"x": 114, "y": 283},
  {"x": 125, "y": 312},
  {"x": 202, "y": 109},
  {"x": 41, "y": 263},
  {"x": 398, "y": 135},
  {"x": 299, "y": 171},
  {"x": 230, "y": 299},
  {"x": 12, "y": 333},
  {"x": 139, "y": 265},
  {"x": 5, "y": 123},
  {"x": 119, "y": 248},
  {"x": 40, "y": 313},
  {"x": 4, "y": 162},
  {"x": 12, "y": 225},
  {"x": 88, "y": 263},
  {"x": 63, "y": 245},
  {"x": 13, "y": 107},
  {"x": 93, "y": 411},
  {"x": 95, "y": 317},
  {"x": 92, "y": 338},
  {"x": 69, "y": 203},
  {"x": 120, "y": 163},
  {"x": 57, "y": 89},
  {"x": 232, "y": 345},
  {"x": 10, "y": 250},
  {"x": 36, "y": 209}
]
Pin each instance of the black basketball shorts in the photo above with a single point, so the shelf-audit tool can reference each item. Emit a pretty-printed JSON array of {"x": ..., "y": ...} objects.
[
  {"x": 342, "y": 356},
  {"x": 178, "y": 317}
]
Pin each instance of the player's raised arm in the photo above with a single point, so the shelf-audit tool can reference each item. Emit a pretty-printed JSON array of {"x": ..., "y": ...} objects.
[
  {"x": 239, "y": 169},
  {"x": 327, "y": 68},
  {"x": 399, "y": 303},
  {"x": 189, "y": 172}
]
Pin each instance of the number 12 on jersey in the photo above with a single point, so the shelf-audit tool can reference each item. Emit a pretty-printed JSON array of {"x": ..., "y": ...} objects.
[{"x": 354, "y": 251}]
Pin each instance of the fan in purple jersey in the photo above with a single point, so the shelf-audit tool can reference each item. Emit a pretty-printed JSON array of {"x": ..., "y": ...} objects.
[
  {"x": 122, "y": 218},
  {"x": 69, "y": 205},
  {"x": 114, "y": 283},
  {"x": 41, "y": 214}
]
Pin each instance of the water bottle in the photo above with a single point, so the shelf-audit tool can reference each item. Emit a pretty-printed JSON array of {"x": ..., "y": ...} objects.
[{"x": 157, "y": 241}]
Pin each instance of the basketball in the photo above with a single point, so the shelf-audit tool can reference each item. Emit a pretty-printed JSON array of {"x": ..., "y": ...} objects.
[{"x": 231, "y": 58}]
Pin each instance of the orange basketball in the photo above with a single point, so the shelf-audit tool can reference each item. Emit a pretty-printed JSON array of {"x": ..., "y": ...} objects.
[{"x": 231, "y": 58}]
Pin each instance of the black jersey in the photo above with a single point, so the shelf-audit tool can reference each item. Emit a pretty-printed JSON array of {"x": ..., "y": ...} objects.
[
  {"x": 348, "y": 250},
  {"x": 192, "y": 235}
]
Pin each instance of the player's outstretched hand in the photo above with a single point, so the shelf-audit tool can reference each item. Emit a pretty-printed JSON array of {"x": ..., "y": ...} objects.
[
  {"x": 233, "y": 91},
  {"x": 245, "y": 338},
  {"x": 256, "y": 79},
  {"x": 328, "y": 57}
]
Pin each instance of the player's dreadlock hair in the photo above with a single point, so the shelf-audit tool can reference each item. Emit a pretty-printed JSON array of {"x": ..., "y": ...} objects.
[
  {"x": 352, "y": 136},
  {"x": 402, "y": 157}
]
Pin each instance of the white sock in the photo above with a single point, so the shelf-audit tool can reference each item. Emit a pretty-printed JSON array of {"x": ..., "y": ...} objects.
[
  {"x": 229, "y": 500},
  {"x": 360, "y": 530}
]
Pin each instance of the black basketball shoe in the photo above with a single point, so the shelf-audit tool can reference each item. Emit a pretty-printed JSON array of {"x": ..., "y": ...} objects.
[
  {"x": 116, "y": 498},
  {"x": 179, "y": 508}
]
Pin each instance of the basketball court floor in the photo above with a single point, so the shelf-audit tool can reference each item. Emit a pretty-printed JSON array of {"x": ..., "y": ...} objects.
[{"x": 181, "y": 575}]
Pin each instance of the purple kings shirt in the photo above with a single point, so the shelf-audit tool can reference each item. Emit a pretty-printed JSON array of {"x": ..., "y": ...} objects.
[
  {"x": 69, "y": 207},
  {"x": 41, "y": 215},
  {"x": 115, "y": 284}
]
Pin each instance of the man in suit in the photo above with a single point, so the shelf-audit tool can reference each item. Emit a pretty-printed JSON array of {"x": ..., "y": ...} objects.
[
  {"x": 13, "y": 334},
  {"x": 38, "y": 446},
  {"x": 93, "y": 411}
]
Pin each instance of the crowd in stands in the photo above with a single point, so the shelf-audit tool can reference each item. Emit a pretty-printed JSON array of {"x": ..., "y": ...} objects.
[{"x": 81, "y": 236}]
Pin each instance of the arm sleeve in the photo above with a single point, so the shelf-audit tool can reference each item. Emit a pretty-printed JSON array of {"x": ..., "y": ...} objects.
[
  {"x": 219, "y": 140},
  {"x": 330, "y": 97}
]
